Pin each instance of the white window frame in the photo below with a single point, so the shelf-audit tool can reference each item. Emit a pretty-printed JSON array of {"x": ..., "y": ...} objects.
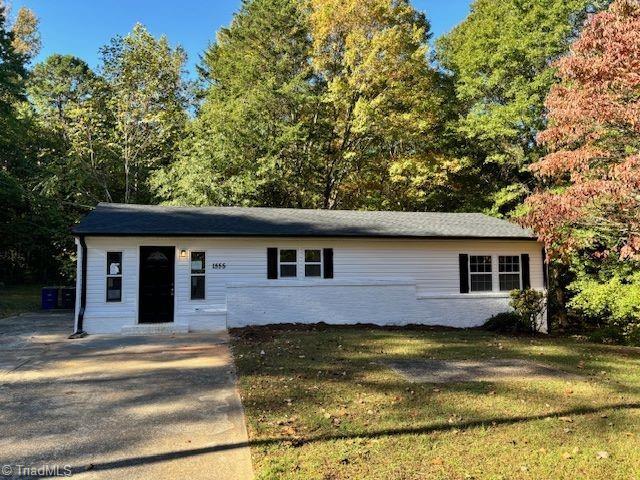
[
  {"x": 203, "y": 274},
  {"x": 519, "y": 272},
  {"x": 110, "y": 275},
  {"x": 305, "y": 263},
  {"x": 491, "y": 273},
  {"x": 296, "y": 263}
]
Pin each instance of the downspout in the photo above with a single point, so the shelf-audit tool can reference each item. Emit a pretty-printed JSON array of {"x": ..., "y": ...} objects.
[{"x": 79, "y": 333}]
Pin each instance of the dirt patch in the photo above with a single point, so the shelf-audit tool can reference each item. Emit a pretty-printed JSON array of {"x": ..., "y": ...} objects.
[{"x": 453, "y": 371}]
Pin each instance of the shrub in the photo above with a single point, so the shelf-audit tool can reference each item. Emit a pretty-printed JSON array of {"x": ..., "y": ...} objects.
[
  {"x": 613, "y": 305},
  {"x": 506, "y": 322},
  {"x": 529, "y": 305}
]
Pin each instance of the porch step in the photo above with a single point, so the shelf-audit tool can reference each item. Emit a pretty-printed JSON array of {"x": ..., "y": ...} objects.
[{"x": 154, "y": 329}]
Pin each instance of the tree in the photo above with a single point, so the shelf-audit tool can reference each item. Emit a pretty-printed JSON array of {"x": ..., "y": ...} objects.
[
  {"x": 255, "y": 139},
  {"x": 500, "y": 58},
  {"x": 28, "y": 220},
  {"x": 71, "y": 103},
  {"x": 26, "y": 36},
  {"x": 327, "y": 104},
  {"x": 384, "y": 97},
  {"x": 592, "y": 189},
  {"x": 148, "y": 101},
  {"x": 587, "y": 211}
]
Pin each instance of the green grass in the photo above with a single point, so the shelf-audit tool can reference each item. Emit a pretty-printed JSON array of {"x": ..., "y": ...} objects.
[
  {"x": 19, "y": 299},
  {"x": 320, "y": 404}
]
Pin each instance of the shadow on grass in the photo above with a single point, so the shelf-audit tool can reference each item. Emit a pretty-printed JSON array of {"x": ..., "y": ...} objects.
[{"x": 300, "y": 441}]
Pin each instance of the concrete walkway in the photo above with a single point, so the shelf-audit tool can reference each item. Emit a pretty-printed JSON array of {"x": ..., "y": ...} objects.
[{"x": 118, "y": 407}]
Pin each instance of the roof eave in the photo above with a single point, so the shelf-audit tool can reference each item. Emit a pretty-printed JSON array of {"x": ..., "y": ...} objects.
[{"x": 307, "y": 235}]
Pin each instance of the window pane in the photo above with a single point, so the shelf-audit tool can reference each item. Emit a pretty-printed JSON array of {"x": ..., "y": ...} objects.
[
  {"x": 509, "y": 263},
  {"x": 312, "y": 256},
  {"x": 312, "y": 270},
  {"x": 288, "y": 271},
  {"x": 288, "y": 256},
  {"x": 197, "y": 262},
  {"x": 114, "y": 263},
  {"x": 481, "y": 282},
  {"x": 480, "y": 263},
  {"x": 114, "y": 289},
  {"x": 197, "y": 287},
  {"x": 509, "y": 281}
]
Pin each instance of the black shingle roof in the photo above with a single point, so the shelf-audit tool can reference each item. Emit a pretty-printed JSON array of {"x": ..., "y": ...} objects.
[{"x": 112, "y": 219}]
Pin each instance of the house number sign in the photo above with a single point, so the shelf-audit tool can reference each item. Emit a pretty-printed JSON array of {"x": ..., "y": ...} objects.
[{"x": 219, "y": 266}]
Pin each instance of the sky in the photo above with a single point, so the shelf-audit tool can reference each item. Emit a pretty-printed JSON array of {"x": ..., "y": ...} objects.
[{"x": 81, "y": 27}]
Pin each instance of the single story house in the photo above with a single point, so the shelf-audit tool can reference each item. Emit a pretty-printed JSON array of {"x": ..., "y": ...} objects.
[{"x": 162, "y": 269}]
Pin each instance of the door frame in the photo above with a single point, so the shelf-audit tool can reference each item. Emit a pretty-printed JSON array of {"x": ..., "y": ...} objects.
[{"x": 139, "y": 265}]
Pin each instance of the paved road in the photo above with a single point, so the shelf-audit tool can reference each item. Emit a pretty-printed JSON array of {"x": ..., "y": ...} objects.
[{"x": 118, "y": 407}]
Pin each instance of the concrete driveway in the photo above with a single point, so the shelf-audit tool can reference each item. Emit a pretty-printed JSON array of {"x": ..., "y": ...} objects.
[{"x": 117, "y": 407}]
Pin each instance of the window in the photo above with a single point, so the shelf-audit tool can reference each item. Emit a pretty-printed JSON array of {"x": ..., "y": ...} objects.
[
  {"x": 509, "y": 271},
  {"x": 288, "y": 263},
  {"x": 197, "y": 275},
  {"x": 114, "y": 276},
  {"x": 313, "y": 263},
  {"x": 480, "y": 273}
]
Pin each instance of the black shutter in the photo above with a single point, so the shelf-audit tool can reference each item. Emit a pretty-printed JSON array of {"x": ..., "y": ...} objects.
[
  {"x": 272, "y": 263},
  {"x": 464, "y": 273},
  {"x": 327, "y": 258},
  {"x": 526, "y": 280},
  {"x": 545, "y": 269}
]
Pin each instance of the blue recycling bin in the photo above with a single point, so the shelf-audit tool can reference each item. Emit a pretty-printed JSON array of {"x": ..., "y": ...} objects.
[{"x": 49, "y": 298}]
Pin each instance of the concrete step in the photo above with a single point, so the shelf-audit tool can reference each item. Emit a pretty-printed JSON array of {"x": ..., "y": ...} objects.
[{"x": 154, "y": 329}]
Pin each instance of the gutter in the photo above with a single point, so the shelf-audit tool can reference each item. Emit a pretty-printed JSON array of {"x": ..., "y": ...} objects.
[
  {"x": 305, "y": 235},
  {"x": 79, "y": 333}
]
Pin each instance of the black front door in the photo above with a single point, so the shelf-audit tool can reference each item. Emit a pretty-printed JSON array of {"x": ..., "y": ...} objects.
[{"x": 156, "y": 284}]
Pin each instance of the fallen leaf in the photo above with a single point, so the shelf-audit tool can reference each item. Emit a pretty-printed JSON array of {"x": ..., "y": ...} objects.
[
  {"x": 566, "y": 455},
  {"x": 602, "y": 455},
  {"x": 566, "y": 419}
]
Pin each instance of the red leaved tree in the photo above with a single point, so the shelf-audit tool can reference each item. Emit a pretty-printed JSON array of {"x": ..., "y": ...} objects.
[{"x": 591, "y": 179}]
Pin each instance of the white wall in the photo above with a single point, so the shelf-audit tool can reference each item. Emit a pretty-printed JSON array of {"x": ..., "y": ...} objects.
[{"x": 380, "y": 281}]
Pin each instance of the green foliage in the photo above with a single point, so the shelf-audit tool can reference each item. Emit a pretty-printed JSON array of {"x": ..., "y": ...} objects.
[
  {"x": 499, "y": 58},
  {"x": 254, "y": 140},
  {"x": 530, "y": 305},
  {"x": 84, "y": 137},
  {"x": 506, "y": 322},
  {"x": 29, "y": 222},
  {"x": 612, "y": 304},
  {"x": 329, "y": 106},
  {"x": 147, "y": 101},
  {"x": 71, "y": 104}
]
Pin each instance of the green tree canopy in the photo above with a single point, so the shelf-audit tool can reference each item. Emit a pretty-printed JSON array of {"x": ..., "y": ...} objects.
[
  {"x": 325, "y": 104},
  {"x": 147, "y": 100},
  {"x": 500, "y": 58}
]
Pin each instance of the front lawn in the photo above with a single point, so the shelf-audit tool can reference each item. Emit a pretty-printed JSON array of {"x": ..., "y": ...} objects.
[
  {"x": 19, "y": 299},
  {"x": 321, "y": 404}
]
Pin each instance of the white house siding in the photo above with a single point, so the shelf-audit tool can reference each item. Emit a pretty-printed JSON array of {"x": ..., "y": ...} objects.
[{"x": 380, "y": 281}]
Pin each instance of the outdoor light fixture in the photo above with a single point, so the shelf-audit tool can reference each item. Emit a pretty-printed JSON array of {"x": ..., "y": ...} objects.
[{"x": 183, "y": 254}]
